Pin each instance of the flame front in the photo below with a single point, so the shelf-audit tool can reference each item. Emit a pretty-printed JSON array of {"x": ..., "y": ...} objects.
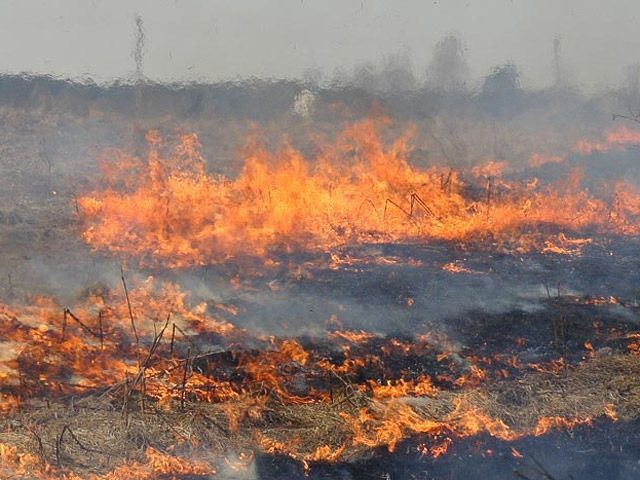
[
  {"x": 95, "y": 349},
  {"x": 170, "y": 211}
]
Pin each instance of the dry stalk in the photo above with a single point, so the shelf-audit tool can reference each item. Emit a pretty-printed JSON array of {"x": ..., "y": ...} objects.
[
  {"x": 133, "y": 323},
  {"x": 488, "y": 198},
  {"x": 101, "y": 330},
  {"x": 140, "y": 376},
  {"x": 59, "y": 439},
  {"x": 69, "y": 314},
  {"x": 184, "y": 379}
]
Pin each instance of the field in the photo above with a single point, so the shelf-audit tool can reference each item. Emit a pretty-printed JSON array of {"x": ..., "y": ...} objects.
[{"x": 381, "y": 286}]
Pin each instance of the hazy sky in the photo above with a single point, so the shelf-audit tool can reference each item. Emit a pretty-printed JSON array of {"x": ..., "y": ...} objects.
[{"x": 211, "y": 39}]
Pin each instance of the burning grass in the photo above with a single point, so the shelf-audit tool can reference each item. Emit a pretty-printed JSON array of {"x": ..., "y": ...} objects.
[
  {"x": 86, "y": 397},
  {"x": 143, "y": 382},
  {"x": 91, "y": 436},
  {"x": 166, "y": 209}
]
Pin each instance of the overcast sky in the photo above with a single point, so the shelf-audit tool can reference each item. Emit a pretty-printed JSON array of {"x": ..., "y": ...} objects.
[{"x": 212, "y": 39}]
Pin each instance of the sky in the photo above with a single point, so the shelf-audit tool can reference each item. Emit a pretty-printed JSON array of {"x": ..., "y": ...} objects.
[{"x": 208, "y": 40}]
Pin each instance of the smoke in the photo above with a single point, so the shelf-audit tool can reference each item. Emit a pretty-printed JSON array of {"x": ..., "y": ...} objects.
[
  {"x": 448, "y": 70},
  {"x": 66, "y": 130},
  {"x": 57, "y": 131},
  {"x": 470, "y": 295}
]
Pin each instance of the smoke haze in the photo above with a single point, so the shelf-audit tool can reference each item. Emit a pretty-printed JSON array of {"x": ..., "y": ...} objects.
[{"x": 210, "y": 41}]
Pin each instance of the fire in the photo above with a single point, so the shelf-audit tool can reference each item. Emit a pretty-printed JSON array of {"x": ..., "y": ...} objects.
[
  {"x": 634, "y": 344},
  {"x": 353, "y": 337},
  {"x": 455, "y": 267},
  {"x": 537, "y": 159},
  {"x": 545, "y": 424},
  {"x": 614, "y": 140},
  {"x": 65, "y": 351},
  {"x": 590, "y": 348},
  {"x": 421, "y": 387},
  {"x": 51, "y": 364},
  {"x": 13, "y": 463},
  {"x": 157, "y": 465},
  {"x": 139, "y": 345},
  {"x": 355, "y": 190},
  {"x": 167, "y": 464}
]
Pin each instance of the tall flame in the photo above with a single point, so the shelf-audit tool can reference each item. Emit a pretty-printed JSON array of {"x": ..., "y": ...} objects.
[{"x": 170, "y": 211}]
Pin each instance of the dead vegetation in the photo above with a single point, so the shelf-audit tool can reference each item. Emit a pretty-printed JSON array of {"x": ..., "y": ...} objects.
[
  {"x": 93, "y": 434},
  {"x": 99, "y": 432}
]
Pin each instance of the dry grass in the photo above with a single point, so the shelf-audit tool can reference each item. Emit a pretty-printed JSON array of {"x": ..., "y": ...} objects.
[{"x": 98, "y": 436}]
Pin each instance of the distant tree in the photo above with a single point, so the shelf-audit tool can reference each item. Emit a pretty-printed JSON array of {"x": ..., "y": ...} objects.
[
  {"x": 340, "y": 78},
  {"x": 629, "y": 95},
  {"x": 448, "y": 69},
  {"x": 312, "y": 77},
  {"x": 557, "y": 62},
  {"x": 559, "y": 68},
  {"x": 501, "y": 93},
  {"x": 366, "y": 76},
  {"x": 137, "y": 53},
  {"x": 631, "y": 89},
  {"x": 396, "y": 74}
]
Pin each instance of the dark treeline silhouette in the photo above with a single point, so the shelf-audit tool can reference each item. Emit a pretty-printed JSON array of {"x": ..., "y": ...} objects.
[
  {"x": 392, "y": 84},
  {"x": 500, "y": 95}
]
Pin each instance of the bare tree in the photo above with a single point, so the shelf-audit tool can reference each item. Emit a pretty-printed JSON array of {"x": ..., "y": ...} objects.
[
  {"x": 366, "y": 76},
  {"x": 396, "y": 74},
  {"x": 501, "y": 93},
  {"x": 138, "y": 56},
  {"x": 557, "y": 63},
  {"x": 448, "y": 69},
  {"x": 138, "y": 49}
]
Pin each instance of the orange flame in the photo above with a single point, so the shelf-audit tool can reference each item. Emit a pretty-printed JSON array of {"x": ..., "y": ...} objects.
[{"x": 171, "y": 211}]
